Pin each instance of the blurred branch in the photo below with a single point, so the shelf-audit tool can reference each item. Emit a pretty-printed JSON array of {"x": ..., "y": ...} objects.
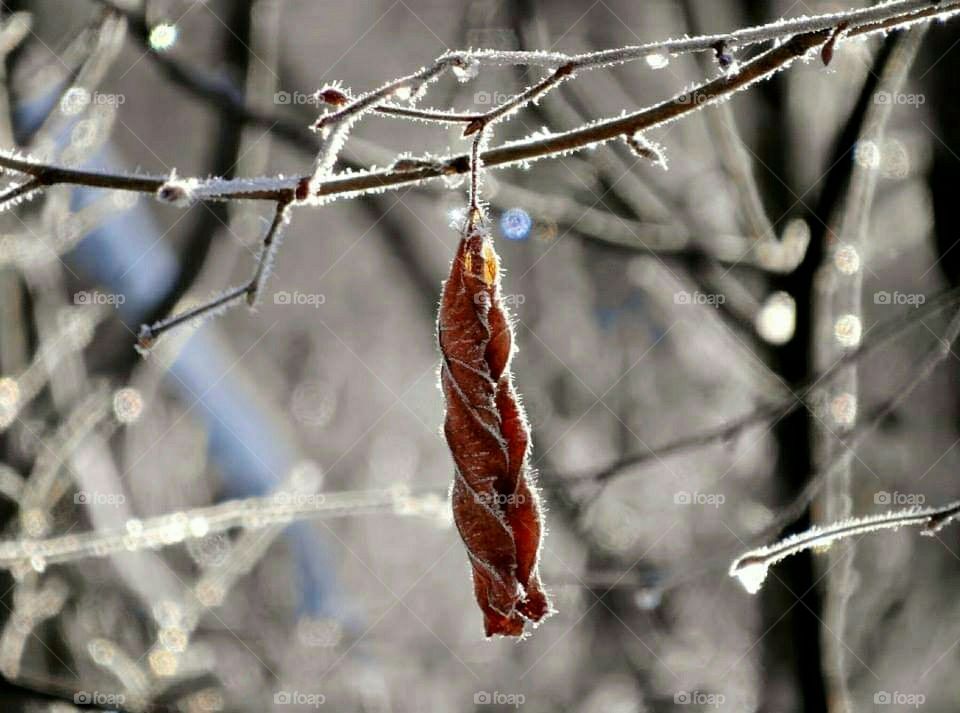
[
  {"x": 838, "y": 300},
  {"x": 936, "y": 354},
  {"x": 72, "y": 336},
  {"x": 219, "y": 92},
  {"x": 33, "y": 604},
  {"x": 878, "y": 336},
  {"x": 164, "y": 530},
  {"x": 46, "y": 483}
]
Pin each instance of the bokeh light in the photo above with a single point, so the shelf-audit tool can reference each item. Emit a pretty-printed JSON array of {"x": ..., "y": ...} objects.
[
  {"x": 847, "y": 259},
  {"x": 163, "y": 36},
  {"x": 847, "y": 330},
  {"x": 515, "y": 224},
  {"x": 777, "y": 319}
]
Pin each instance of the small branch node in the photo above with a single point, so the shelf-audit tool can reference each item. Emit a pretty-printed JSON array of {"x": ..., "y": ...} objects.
[
  {"x": 180, "y": 192},
  {"x": 826, "y": 53},
  {"x": 645, "y": 148}
]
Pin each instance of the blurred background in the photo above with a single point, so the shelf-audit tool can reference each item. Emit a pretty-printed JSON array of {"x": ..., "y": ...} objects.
[{"x": 650, "y": 306}]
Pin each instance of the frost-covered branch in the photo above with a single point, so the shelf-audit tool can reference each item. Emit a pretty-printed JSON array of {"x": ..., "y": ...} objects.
[
  {"x": 511, "y": 153},
  {"x": 14, "y": 195},
  {"x": 864, "y": 20},
  {"x": 322, "y": 185},
  {"x": 515, "y": 152},
  {"x": 468, "y": 62},
  {"x": 751, "y": 568}
]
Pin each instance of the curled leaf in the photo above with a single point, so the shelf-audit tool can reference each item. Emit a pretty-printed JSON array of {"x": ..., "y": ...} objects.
[{"x": 495, "y": 506}]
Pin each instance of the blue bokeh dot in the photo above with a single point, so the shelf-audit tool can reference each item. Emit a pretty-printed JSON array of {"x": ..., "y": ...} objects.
[{"x": 515, "y": 224}]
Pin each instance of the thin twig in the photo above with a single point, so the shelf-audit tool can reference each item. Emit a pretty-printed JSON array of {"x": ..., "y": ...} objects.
[
  {"x": 149, "y": 334},
  {"x": 474, "y": 210},
  {"x": 17, "y": 192},
  {"x": 334, "y": 126},
  {"x": 251, "y": 290},
  {"x": 435, "y": 115},
  {"x": 271, "y": 242},
  {"x": 519, "y": 101}
]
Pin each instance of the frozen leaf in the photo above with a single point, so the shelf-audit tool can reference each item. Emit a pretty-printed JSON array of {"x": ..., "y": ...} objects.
[{"x": 495, "y": 505}]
